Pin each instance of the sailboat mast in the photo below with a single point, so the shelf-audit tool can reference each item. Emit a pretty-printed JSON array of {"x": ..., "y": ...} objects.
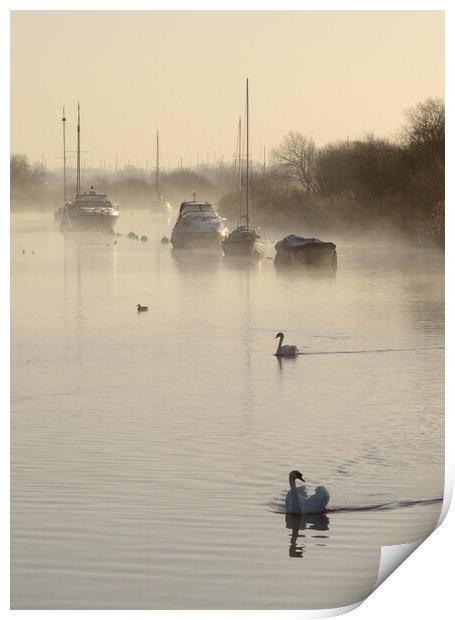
[
  {"x": 78, "y": 172},
  {"x": 64, "y": 156},
  {"x": 247, "y": 157},
  {"x": 157, "y": 165},
  {"x": 240, "y": 169}
]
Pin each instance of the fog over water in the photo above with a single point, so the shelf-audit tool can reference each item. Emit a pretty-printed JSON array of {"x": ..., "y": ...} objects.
[{"x": 150, "y": 452}]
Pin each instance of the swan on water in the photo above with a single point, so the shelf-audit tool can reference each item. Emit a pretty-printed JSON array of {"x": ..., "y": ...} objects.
[
  {"x": 142, "y": 308},
  {"x": 299, "y": 502},
  {"x": 288, "y": 350}
]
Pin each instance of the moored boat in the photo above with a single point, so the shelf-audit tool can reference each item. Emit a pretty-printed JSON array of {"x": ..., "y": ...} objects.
[
  {"x": 158, "y": 205},
  {"x": 60, "y": 213},
  {"x": 88, "y": 211},
  {"x": 309, "y": 252},
  {"x": 244, "y": 240},
  {"x": 198, "y": 226}
]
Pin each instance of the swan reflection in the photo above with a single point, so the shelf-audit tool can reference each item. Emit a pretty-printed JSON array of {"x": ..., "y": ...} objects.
[
  {"x": 298, "y": 523},
  {"x": 285, "y": 360}
]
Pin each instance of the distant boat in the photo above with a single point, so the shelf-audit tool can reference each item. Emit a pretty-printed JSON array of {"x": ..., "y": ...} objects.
[
  {"x": 90, "y": 210},
  {"x": 244, "y": 240},
  {"x": 198, "y": 226},
  {"x": 159, "y": 205}
]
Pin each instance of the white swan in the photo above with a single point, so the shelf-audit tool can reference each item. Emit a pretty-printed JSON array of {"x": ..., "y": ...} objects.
[
  {"x": 298, "y": 501},
  {"x": 288, "y": 350}
]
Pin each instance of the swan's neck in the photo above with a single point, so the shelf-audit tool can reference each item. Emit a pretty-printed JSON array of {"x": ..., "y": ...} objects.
[
  {"x": 278, "y": 352},
  {"x": 295, "y": 503}
]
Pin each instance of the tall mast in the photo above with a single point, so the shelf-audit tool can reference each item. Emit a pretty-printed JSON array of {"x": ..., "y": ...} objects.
[
  {"x": 247, "y": 157},
  {"x": 240, "y": 169},
  {"x": 78, "y": 174},
  {"x": 64, "y": 156},
  {"x": 157, "y": 166}
]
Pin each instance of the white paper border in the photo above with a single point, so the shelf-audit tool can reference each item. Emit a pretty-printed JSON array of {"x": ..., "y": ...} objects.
[{"x": 420, "y": 588}]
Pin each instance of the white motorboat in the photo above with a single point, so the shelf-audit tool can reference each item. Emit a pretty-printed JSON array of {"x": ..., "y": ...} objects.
[{"x": 198, "y": 226}]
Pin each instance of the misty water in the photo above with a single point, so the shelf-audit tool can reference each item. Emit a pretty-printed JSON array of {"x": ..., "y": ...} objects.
[{"x": 150, "y": 452}]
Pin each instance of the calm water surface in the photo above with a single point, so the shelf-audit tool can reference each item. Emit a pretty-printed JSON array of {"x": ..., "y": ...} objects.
[{"x": 150, "y": 452}]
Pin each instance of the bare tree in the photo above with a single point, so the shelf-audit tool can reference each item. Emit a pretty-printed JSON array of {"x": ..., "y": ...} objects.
[
  {"x": 425, "y": 129},
  {"x": 298, "y": 153}
]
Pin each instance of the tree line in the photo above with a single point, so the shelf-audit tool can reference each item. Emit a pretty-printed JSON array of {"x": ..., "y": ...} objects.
[
  {"x": 373, "y": 178},
  {"x": 352, "y": 184}
]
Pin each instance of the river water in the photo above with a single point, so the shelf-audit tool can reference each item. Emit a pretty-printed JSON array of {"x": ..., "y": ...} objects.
[{"x": 150, "y": 452}]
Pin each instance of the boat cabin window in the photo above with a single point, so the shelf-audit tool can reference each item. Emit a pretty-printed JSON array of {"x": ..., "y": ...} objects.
[
  {"x": 199, "y": 214},
  {"x": 198, "y": 210}
]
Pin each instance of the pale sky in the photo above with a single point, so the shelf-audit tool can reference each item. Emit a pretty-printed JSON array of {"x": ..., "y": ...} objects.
[{"x": 328, "y": 74}]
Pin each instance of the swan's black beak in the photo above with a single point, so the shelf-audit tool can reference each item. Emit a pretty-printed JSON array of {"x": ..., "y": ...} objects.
[{"x": 301, "y": 479}]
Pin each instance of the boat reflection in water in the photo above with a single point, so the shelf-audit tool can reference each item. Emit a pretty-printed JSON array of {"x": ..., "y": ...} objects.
[
  {"x": 242, "y": 263},
  {"x": 197, "y": 261},
  {"x": 297, "y": 523}
]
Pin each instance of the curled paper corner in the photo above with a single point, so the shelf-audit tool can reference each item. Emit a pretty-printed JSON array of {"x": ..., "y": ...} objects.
[
  {"x": 313, "y": 614},
  {"x": 394, "y": 555},
  {"x": 447, "y": 499},
  {"x": 391, "y": 558},
  {"x": 339, "y": 611}
]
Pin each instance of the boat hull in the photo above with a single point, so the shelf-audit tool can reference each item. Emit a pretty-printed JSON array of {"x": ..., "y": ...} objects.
[
  {"x": 296, "y": 251},
  {"x": 245, "y": 247},
  {"x": 80, "y": 221},
  {"x": 242, "y": 241}
]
